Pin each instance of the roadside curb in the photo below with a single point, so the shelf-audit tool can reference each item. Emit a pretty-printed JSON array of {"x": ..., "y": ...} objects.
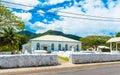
[{"x": 63, "y": 67}]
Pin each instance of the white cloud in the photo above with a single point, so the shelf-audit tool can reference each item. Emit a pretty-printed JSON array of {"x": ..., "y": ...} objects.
[
  {"x": 84, "y": 27},
  {"x": 39, "y": 27},
  {"x": 56, "y": 1},
  {"x": 79, "y": 27},
  {"x": 25, "y": 16},
  {"x": 40, "y": 11},
  {"x": 89, "y": 27},
  {"x": 24, "y": 2}
]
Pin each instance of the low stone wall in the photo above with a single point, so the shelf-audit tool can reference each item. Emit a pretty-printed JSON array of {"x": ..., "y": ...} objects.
[
  {"x": 5, "y": 53},
  {"x": 15, "y": 61},
  {"x": 90, "y": 58}
]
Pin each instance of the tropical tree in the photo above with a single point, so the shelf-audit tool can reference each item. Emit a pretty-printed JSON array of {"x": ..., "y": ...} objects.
[
  {"x": 118, "y": 34},
  {"x": 9, "y": 37},
  {"x": 22, "y": 40},
  {"x": 94, "y": 41},
  {"x": 9, "y": 25},
  {"x": 7, "y": 18}
]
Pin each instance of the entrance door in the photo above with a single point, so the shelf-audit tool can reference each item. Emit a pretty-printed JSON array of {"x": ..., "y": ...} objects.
[{"x": 45, "y": 48}]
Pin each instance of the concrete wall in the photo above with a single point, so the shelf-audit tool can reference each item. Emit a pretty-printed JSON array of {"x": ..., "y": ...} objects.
[
  {"x": 10, "y": 61},
  {"x": 89, "y": 58},
  {"x": 5, "y": 53}
]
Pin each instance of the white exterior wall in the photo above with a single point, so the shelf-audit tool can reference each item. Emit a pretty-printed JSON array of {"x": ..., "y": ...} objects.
[
  {"x": 48, "y": 44},
  {"x": 26, "y": 47},
  {"x": 76, "y": 58},
  {"x": 56, "y": 43},
  {"x": 10, "y": 61}
]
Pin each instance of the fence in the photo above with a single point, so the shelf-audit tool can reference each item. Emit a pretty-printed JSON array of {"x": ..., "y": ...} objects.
[{"x": 10, "y": 61}]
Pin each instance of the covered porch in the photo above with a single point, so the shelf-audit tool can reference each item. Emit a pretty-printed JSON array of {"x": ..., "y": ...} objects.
[{"x": 116, "y": 42}]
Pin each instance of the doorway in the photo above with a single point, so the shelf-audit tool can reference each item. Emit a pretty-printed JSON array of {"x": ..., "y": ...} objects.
[{"x": 45, "y": 48}]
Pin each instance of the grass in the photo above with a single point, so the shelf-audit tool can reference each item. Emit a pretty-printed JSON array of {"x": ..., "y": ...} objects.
[{"x": 64, "y": 58}]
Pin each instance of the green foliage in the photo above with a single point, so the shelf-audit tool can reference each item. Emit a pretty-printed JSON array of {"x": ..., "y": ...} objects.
[
  {"x": 9, "y": 19},
  {"x": 53, "y": 32},
  {"x": 10, "y": 38},
  {"x": 6, "y": 48},
  {"x": 118, "y": 34},
  {"x": 49, "y": 32},
  {"x": 23, "y": 39},
  {"x": 94, "y": 41},
  {"x": 28, "y": 34},
  {"x": 9, "y": 23},
  {"x": 9, "y": 35},
  {"x": 105, "y": 50},
  {"x": 64, "y": 58}
]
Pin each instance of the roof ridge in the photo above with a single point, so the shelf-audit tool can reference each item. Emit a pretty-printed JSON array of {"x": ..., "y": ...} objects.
[{"x": 55, "y": 37}]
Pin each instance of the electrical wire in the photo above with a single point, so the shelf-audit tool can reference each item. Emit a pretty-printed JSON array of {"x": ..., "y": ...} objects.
[
  {"x": 65, "y": 15},
  {"x": 61, "y": 11},
  {"x": 96, "y": 19}
]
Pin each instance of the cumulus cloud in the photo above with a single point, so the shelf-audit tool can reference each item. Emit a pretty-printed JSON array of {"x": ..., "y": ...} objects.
[
  {"x": 56, "y": 1},
  {"x": 81, "y": 27},
  {"x": 41, "y": 27},
  {"x": 24, "y": 16},
  {"x": 84, "y": 27}
]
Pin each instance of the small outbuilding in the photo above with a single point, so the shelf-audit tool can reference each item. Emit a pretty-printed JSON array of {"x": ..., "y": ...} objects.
[{"x": 115, "y": 40}]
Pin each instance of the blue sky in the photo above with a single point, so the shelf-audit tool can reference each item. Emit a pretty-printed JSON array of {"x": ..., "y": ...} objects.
[{"x": 45, "y": 15}]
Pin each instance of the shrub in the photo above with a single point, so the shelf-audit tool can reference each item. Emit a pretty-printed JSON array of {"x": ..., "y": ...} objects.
[
  {"x": 6, "y": 48},
  {"x": 105, "y": 50}
]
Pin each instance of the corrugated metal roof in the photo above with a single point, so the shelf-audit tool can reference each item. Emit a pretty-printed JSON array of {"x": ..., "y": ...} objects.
[
  {"x": 116, "y": 39},
  {"x": 54, "y": 38}
]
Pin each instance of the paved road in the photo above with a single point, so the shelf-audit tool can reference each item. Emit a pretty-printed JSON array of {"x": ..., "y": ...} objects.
[{"x": 103, "y": 70}]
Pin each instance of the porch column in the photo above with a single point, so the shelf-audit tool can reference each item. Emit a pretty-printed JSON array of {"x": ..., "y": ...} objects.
[
  {"x": 110, "y": 46},
  {"x": 116, "y": 46}
]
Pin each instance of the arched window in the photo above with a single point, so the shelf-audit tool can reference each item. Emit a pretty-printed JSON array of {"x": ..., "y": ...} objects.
[
  {"x": 77, "y": 47},
  {"x": 59, "y": 47},
  {"x": 66, "y": 47},
  {"x": 38, "y": 46},
  {"x": 52, "y": 46}
]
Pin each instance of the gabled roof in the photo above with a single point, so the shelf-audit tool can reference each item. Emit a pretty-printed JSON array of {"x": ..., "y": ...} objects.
[
  {"x": 54, "y": 38},
  {"x": 116, "y": 39}
]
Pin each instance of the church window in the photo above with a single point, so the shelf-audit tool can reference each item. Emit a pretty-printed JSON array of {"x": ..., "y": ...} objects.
[
  {"x": 38, "y": 46},
  {"x": 77, "y": 47},
  {"x": 59, "y": 47},
  {"x": 66, "y": 47},
  {"x": 52, "y": 46}
]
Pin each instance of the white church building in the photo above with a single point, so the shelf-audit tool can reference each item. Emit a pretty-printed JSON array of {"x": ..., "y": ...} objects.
[{"x": 51, "y": 43}]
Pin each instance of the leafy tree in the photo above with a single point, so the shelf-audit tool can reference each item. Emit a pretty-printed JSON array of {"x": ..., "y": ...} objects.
[
  {"x": 10, "y": 38},
  {"x": 118, "y": 34},
  {"x": 23, "y": 39},
  {"x": 9, "y": 25},
  {"x": 94, "y": 41},
  {"x": 7, "y": 18}
]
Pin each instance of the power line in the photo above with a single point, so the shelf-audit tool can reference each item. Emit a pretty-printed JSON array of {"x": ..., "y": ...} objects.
[
  {"x": 66, "y": 16},
  {"x": 62, "y": 11}
]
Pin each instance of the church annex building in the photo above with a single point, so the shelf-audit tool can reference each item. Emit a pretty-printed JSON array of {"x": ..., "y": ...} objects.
[{"x": 51, "y": 43}]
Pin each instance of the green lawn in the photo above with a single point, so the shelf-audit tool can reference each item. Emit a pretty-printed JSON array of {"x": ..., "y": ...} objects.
[{"x": 64, "y": 58}]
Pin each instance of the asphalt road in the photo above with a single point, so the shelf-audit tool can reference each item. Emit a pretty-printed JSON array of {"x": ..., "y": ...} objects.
[{"x": 101, "y": 70}]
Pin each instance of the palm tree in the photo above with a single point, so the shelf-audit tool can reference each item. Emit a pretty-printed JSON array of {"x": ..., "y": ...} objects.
[{"x": 10, "y": 37}]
